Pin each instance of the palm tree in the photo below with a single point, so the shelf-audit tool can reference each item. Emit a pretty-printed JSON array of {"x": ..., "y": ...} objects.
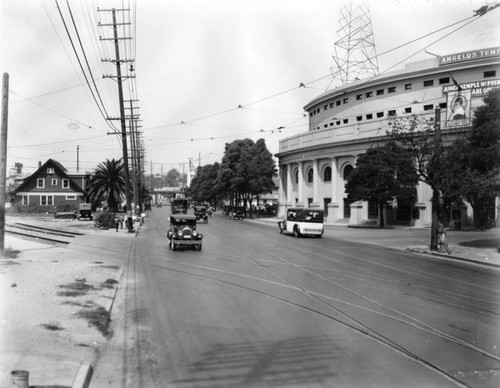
[{"x": 108, "y": 183}]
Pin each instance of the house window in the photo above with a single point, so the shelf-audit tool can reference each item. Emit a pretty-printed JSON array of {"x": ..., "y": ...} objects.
[
  {"x": 346, "y": 100},
  {"x": 325, "y": 107},
  {"x": 325, "y": 125},
  {"x": 310, "y": 175},
  {"x": 337, "y": 122},
  {"x": 359, "y": 97},
  {"x": 26, "y": 200},
  {"x": 428, "y": 107},
  {"x": 408, "y": 87},
  {"x": 368, "y": 94},
  {"x": 65, "y": 183},
  {"x": 391, "y": 113},
  {"x": 345, "y": 121},
  {"x": 407, "y": 110},
  {"x": 40, "y": 183},
  {"x": 337, "y": 103},
  {"x": 369, "y": 116},
  {"x": 71, "y": 197},
  {"x": 445, "y": 80},
  {"x": 54, "y": 181},
  {"x": 327, "y": 174},
  {"x": 392, "y": 89},
  {"x": 491, "y": 73},
  {"x": 50, "y": 171},
  {"x": 46, "y": 200},
  {"x": 331, "y": 105},
  {"x": 296, "y": 176},
  {"x": 428, "y": 83},
  {"x": 380, "y": 114},
  {"x": 380, "y": 92},
  {"x": 347, "y": 170},
  {"x": 442, "y": 105}
]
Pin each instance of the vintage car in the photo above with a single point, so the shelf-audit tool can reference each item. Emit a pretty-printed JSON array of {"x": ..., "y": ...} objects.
[
  {"x": 201, "y": 213},
  {"x": 84, "y": 211},
  {"x": 183, "y": 233},
  {"x": 236, "y": 212},
  {"x": 302, "y": 222}
]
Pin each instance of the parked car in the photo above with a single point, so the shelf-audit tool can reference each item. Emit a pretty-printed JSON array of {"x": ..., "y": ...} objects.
[
  {"x": 303, "y": 221},
  {"x": 237, "y": 212},
  {"x": 84, "y": 211},
  {"x": 183, "y": 233}
]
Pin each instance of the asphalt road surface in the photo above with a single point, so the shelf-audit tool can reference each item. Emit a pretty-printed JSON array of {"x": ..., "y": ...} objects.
[{"x": 256, "y": 308}]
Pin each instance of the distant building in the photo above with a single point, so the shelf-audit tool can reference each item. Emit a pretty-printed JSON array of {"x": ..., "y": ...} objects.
[
  {"x": 51, "y": 185},
  {"x": 346, "y": 121}
]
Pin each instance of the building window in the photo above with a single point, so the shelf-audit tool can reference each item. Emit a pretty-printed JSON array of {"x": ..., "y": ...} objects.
[
  {"x": 345, "y": 121},
  {"x": 380, "y": 92},
  {"x": 347, "y": 170},
  {"x": 325, "y": 125},
  {"x": 325, "y": 107},
  {"x": 359, "y": 97},
  {"x": 309, "y": 175},
  {"x": 346, "y": 100},
  {"x": 368, "y": 94},
  {"x": 296, "y": 176},
  {"x": 54, "y": 181},
  {"x": 46, "y": 200},
  {"x": 71, "y": 197},
  {"x": 428, "y": 107},
  {"x": 65, "y": 183},
  {"x": 337, "y": 122},
  {"x": 331, "y": 124},
  {"x": 491, "y": 73},
  {"x": 391, "y": 113},
  {"x": 408, "y": 87},
  {"x": 428, "y": 83},
  {"x": 380, "y": 114},
  {"x": 331, "y": 105},
  {"x": 445, "y": 80},
  {"x": 408, "y": 110},
  {"x": 392, "y": 89},
  {"x": 327, "y": 174},
  {"x": 359, "y": 118},
  {"x": 40, "y": 183},
  {"x": 369, "y": 116},
  {"x": 442, "y": 105},
  {"x": 50, "y": 171},
  {"x": 309, "y": 201},
  {"x": 26, "y": 200},
  {"x": 337, "y": 103}
]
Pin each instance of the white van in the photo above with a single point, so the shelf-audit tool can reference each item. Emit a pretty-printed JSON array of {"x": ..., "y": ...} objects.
[{"x": 303, "y": 221}]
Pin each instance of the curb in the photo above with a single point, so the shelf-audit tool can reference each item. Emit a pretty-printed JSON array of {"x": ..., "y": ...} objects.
[
  {"x": 452, "y": 257},
  {"x": 82, "y": 379}
]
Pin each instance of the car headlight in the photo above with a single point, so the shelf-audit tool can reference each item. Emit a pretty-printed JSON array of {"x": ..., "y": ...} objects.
[
  {"x": 179, "y": 233},
  {"x": 195, "y": 233}
]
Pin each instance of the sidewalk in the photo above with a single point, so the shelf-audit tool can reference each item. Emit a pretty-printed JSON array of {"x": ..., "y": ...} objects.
[
  {"x": 55, "y": 302},
  {"x": 470, "y": 245}
]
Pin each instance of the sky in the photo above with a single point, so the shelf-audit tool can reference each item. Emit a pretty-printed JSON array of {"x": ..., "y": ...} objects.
[{"x": 206, "y": 72}]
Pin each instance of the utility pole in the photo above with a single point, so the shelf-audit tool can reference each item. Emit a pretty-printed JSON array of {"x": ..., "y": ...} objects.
[
  {"x": 3, "y": 157},
  {"x": 77, "y": 158},
  {"x": 123, "y": 123},
  {"x": 437, "y": 196}
]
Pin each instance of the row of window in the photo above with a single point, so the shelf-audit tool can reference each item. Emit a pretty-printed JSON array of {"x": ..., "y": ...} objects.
[
  {"x": 327, "y": 174},
  {"x": 47, "y": 200},
  {"x": 371, "y": 116},
  {"x": 40, "y": 183},
  {"x": 392, "y": 89}
]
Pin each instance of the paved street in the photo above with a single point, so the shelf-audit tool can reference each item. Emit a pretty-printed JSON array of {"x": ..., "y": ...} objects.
[{"x": 256, "y": 308}]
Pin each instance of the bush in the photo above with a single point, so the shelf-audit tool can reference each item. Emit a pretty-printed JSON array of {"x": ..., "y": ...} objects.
[
  {"x": 105, "y": 219},
  {"x": 66, "y": 207}
]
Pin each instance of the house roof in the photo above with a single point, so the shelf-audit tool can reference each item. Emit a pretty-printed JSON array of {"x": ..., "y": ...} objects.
[{"x": 61, "y": 171}]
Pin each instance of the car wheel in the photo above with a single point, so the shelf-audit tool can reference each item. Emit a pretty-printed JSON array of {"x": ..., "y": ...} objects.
[
  {"x": 296, "y": 231},
  {"x": 172, "y": 245},
  {"x": 199, "y": 247}
]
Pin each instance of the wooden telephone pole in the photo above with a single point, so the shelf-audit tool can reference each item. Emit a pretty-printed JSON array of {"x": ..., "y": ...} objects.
[{"x": 3, "y": 157}]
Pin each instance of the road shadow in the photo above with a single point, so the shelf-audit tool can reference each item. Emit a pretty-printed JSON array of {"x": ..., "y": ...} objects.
[
  {"x": 298, "y": 361},
  {"x": 484, "y": 243}
]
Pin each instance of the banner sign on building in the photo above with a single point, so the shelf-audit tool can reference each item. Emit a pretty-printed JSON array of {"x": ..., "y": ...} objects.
[
  {"x": 477, "y": 87},
  {"x": 458, "y": 108},
  {"x": 468, "y": 56}
]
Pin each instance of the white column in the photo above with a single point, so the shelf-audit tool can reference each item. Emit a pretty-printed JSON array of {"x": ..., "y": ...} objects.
[
  {"x": 316, "y": 180},
  {"x": 335, "y": 181},
  {"x": 301, "y": 182},
  {"x": 282, "y": 192},
  {"x": 289, "y": 184}
]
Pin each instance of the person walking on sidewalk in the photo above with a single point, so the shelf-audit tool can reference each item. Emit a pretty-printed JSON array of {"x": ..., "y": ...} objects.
[{"x": 442, "y": 243}]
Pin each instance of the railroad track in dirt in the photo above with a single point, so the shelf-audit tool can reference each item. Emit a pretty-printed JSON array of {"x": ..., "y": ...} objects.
[{"x": 41, "y": 234}]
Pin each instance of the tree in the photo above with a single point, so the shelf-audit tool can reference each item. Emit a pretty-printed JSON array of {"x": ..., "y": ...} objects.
[
  {"x": 377, "y": 177},
  {"x": 173, "y": 178},
  {"x": 203, "y": 187},
  {"x": 108, "y": 184}
]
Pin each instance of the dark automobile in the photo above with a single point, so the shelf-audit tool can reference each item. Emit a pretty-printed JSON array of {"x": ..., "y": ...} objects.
[
  {"x": 183, "y": 233},
  {"x": 201, "y": 213},
  {"x": 84, "y": 211},
  {"x": 179, "y": 205},
  {"x": 237, "y": 212}
]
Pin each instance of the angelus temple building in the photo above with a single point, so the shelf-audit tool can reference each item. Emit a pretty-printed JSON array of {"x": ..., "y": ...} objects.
[{"x": 346, "y": 121}]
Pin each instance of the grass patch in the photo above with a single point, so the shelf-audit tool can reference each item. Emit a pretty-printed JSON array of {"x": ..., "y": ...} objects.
[
  {"x": 77, "y": 288},
  {"x": 97, "y": 317}
]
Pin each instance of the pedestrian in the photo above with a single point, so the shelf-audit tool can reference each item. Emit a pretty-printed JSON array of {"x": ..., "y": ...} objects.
[{"x": 442, "y": 243}]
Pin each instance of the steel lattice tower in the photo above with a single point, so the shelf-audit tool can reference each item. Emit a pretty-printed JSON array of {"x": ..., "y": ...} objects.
[{"x": 355, "y": 56}]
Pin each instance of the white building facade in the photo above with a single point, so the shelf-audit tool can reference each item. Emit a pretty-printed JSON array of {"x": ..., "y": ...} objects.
[{"x": 346, "y": 121}]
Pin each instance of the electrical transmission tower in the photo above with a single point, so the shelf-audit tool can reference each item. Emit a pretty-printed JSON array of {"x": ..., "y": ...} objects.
[{"x": 355, "y": 56}]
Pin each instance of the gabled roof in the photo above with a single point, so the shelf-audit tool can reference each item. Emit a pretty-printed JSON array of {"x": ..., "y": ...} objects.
[{"x": 61, "y": 171}]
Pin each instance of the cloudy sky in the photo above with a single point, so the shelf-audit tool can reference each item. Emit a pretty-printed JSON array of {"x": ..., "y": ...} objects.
[{"x": 195, "y": 63}]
